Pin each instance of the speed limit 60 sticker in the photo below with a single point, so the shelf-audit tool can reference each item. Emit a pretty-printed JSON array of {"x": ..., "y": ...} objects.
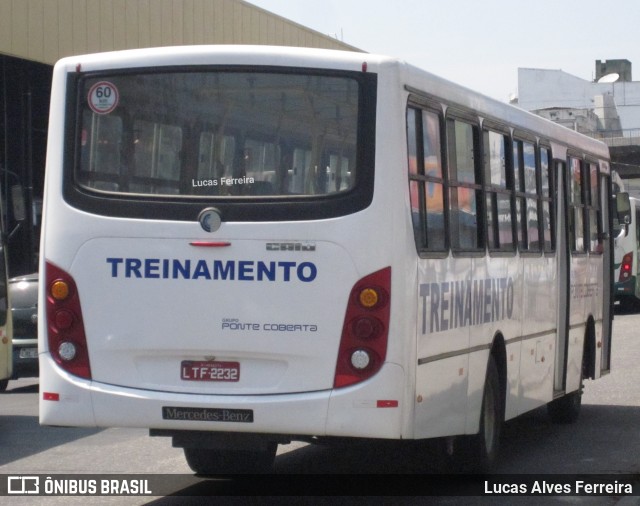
[{"x": 103, "y": 97}]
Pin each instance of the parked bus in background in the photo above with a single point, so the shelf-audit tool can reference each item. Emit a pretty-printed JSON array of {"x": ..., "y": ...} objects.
[
  {"x": 245, "y": 246},
  {"x": 626, "y": 259}
]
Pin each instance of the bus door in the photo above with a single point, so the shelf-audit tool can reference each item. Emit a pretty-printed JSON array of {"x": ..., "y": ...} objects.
[
  {"x": 607, "y": 311},
  {"x": 563, "y": 270}
]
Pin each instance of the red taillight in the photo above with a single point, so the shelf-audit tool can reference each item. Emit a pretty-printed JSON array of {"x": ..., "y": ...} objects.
[
  {"x": 65, "y": 327},
  {"x": 363, "y": 346},
  {"x": 626, "y": 267}
]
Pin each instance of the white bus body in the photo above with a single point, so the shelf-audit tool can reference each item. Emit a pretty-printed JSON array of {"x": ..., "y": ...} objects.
[
  {"x": 626, "y": 260},
  {"x": 244, "y": 246}
]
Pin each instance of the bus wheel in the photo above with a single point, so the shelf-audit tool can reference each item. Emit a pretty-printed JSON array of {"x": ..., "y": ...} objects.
[
  {"x": 209, "y": 461},
  {"x": 3, "y": 385},
  {"x": 480, "y": 452}
]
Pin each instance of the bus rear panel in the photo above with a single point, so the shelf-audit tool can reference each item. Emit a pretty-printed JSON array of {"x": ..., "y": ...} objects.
[{"x": 214, "y": 277}]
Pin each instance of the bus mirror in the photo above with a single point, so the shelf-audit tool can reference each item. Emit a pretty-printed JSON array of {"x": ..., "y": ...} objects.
[
  {"x": 623, "y": 208},
  {"x": 17, "y": 199}
]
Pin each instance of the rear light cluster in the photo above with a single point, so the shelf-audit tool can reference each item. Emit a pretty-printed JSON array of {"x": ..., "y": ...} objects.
[
  {"x": 65, "y": 327},
  {"x": 363, "y": 346},
  {"x": 626, "y": 267}
]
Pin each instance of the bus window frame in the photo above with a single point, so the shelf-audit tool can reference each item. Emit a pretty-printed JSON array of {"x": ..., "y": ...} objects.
[
  {"x": 453, "y": 115},
  {"x": 593, "y": 205},
  {"x": 489, "y": 188},
  {"x": 421, "y": 178},
  {"x": 551, "y": 198},
  {"x": 573, "y": 206},
  {"x": 524, "y": 194}
]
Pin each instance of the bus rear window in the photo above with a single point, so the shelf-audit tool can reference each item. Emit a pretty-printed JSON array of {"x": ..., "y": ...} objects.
[{"x": 218, "y": 134}]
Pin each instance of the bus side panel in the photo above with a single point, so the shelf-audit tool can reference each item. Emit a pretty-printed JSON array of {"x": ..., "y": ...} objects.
[
  {"x": 539, "y": 312},
  {"x": 574, "y": 358},
  {"x": 497, "y": 299},
  {"x": 442, "y": 397},
  {"x": 584, "y": 293},
  {"x": 536, "y": 372},
  {"x": 514, "y": 365},
  {"x": 443, "y": 330}
]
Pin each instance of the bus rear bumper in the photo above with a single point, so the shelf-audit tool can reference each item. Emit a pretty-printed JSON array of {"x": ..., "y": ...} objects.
[{"x": 372, "y": 409}]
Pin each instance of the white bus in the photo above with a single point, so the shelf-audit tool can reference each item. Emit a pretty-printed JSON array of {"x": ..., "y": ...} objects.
[
  {"x": 627, "y": 259},
  {"x": 245, "y": 246}
]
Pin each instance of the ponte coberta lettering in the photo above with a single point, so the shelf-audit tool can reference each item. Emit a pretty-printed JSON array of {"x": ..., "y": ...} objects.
[
  {"x": 456, "y": 304},
  {"x": 229, "y": 270}
]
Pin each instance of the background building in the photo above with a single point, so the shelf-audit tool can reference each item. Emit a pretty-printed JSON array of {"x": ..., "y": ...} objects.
[
  {"x": 614, "y": 103},
  {"x": 34, "y": 34},
  {"x": 605, "y": 108}
]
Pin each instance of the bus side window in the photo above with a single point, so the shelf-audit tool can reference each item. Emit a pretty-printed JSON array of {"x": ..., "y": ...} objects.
[
  {"x": 548, "y": 213},
  {"x": 466, "y": 232},
  {"x": 577, "y": 206},
  {"x": 527, "y": 196},
  {"x": 593, "y": 211},
  {"x": 426, "y": 181},
  {"x": 498, "y": 194},
  {"x": 532, "y": 194}
]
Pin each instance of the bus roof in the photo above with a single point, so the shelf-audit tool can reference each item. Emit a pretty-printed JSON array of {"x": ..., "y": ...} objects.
[{"x": 415, "y": 79}]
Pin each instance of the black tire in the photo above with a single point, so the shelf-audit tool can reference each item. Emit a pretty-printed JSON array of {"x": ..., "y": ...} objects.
[
  {"x": 3, "y": 385},
  {"x": 221, "y": 462},
  {"x": 479, "y": 453}
]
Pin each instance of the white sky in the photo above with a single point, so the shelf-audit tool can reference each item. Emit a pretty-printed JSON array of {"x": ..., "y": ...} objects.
[{"x": 479, "y": 43}]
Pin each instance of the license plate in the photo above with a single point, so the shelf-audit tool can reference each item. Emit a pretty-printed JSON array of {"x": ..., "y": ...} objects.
[
  {"x": 195, "y": 370},
  {"x": 28, "y": 353}
]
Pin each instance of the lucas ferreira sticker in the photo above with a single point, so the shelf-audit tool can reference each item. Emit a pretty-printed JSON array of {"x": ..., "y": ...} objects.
[{"x": 103, "y": 97}]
